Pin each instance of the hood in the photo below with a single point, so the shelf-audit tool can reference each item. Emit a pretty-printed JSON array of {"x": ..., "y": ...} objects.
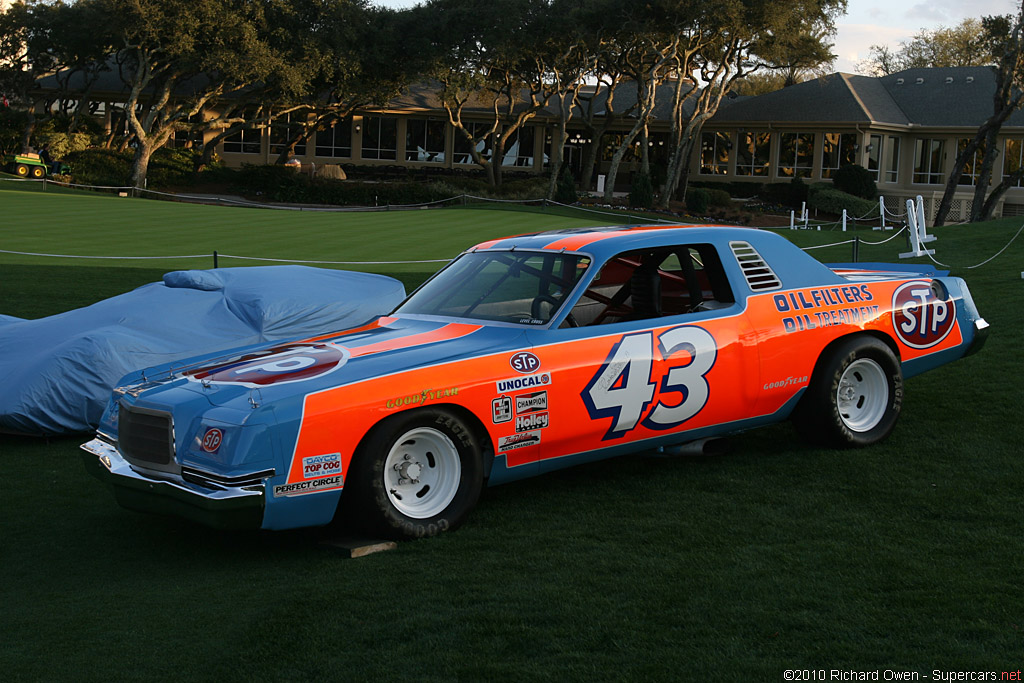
[{"x": 254, "y": 376}]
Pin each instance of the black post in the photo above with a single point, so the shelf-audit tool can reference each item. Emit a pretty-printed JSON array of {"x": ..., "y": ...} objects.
[
  {"x": 215, "y": 258},
  {"x": 856, "y": 249}
]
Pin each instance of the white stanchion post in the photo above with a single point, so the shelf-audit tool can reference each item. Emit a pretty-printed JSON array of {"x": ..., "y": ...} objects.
[
  {"x": 844, "y": 220},
  {"x": 792, "y": 219},
  {"x": 914, "y": 219},
  {"x": 922, "y": 223}
]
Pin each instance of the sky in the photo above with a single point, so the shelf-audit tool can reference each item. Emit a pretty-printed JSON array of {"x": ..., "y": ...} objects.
[{"x": 877, "y": 22}]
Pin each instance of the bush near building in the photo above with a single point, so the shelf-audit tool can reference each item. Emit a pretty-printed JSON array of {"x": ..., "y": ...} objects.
[{"x": 855, "y": 180}]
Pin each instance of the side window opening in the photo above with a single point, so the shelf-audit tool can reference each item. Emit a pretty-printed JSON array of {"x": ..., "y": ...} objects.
[{"x": 655, "y": 283}]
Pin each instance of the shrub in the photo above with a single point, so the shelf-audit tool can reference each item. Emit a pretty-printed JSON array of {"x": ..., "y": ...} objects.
[
  {"x": 641, "y": 193},
  {"x": 697, "y": 200},
  {"x": 717, "y": 197},
  {"x": 855, "y": 180},
  {"x": 100, "y": 167},
  {"x": 791, "y": 194},
  {"x": 831, "y": 200},
  {"x": 565, "y": 189}
]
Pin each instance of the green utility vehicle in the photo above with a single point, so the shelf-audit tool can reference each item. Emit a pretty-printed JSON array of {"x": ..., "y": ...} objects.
[{"x": 30, "y": 166}]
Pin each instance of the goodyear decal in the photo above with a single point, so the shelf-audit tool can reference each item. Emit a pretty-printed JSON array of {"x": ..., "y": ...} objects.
[{"x": 424, "y": 396}]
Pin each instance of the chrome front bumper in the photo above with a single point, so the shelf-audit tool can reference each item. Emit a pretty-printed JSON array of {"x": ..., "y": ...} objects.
[{"x": 226, "y": 508}]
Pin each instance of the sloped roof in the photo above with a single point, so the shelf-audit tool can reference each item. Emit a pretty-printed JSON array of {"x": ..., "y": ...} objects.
[{"x": 934, "y": 97}]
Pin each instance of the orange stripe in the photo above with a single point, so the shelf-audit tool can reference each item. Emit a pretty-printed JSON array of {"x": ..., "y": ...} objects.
[
  {"x": 450, "y": 331},
  {"x": 577, "y": 242},
  {"x": 383, "y": 321}
]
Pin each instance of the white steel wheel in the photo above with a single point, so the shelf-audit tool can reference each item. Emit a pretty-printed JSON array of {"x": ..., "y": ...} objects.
[
  {"x": 854, "y": 396},
  {"x": 422, "y": 472},
  {"x": 863, "y": 395}
]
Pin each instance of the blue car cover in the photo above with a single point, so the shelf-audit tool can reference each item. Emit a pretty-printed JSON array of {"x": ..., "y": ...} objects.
[{"x": 57, "y": 372}]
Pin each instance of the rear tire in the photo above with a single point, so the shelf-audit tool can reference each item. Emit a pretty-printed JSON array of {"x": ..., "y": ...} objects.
[
  {"x": 21, "y": 170},
  {"x": 415, "y": 475},
  {"x": 855, "y": 395}
]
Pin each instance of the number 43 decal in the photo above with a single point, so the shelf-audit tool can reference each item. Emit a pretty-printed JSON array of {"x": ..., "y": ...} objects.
[{"x": 624, "y": 388}]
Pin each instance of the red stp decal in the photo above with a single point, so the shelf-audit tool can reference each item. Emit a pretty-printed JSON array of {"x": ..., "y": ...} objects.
[
  {"x": 524, "y": 362},
  {"x": 279, "y": 365},
  {"x": 920, "y": 318},
  {"x": 212, "y": 440}
]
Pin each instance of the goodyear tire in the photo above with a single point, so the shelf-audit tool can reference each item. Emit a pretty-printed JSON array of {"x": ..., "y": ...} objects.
[
  {"x": 854, "y": 397},
  {"x": 415, "y": 475},
  {"x": 38, "y": 172},
  {"x": 21, "y": 170}
]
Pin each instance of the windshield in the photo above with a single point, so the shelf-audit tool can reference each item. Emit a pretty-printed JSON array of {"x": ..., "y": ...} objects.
[{"x": 526, "y": 287}]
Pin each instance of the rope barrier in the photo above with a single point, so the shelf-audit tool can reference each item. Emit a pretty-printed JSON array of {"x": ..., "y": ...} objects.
[{"x": 986, "y": 261}]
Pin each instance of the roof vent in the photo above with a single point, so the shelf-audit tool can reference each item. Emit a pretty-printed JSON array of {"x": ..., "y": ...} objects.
[
  {"x": 919, "y": 81},
  {"x": 970, "y": 79},
  {"x": 760, "y": 276},
  {"x": 899, "y": 81},
  {"x": 949, "y": 79}
]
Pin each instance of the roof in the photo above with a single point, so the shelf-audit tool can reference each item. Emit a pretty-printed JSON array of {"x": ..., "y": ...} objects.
[{"x": 934, "y": 97}]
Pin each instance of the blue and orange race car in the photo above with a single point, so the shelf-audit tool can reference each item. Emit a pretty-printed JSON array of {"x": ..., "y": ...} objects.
[{"x": 525, "y": 355}]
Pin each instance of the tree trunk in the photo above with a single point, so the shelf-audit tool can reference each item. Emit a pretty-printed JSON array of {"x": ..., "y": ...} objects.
[
  {"x": 140, "y": 163},
  {"x": 613, "y": 170}
]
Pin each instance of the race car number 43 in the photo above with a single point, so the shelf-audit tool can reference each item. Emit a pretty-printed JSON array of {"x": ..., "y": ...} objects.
[{"x": 623, "y": 389}]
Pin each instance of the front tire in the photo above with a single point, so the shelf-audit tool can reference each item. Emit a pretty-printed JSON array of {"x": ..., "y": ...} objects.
[
  {"x": 38, "y": 172},
  {"x": 855, "y": 395},
  {"x": 415, "y": 475}
]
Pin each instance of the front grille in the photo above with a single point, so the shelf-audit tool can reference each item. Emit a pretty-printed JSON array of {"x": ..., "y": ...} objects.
[
  {"x": 145, "y": 436},
  {"x": 211, "y": 480}
]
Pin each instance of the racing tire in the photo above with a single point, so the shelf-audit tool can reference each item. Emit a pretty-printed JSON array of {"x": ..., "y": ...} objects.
[
  {"x": 854, "y": 397},
  {"x": 415, "y": 475},
  {"x": 21, "y": 170},
  {"x": 38, "y": 172}
]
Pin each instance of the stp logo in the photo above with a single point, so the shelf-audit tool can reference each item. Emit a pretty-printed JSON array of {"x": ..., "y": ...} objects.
[
  {"x": 212, "y": 440},
  {"x": 921, "y": 319},
  {"x": 279, "y": 365},
  {"x": 524, "y": 362}
]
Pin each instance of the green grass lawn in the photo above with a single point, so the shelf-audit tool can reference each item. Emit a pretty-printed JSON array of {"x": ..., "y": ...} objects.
[{"x": 904, "y": 556}]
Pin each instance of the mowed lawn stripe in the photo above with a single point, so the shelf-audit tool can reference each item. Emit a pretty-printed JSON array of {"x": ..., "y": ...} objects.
[{"x": 113, "y": 226}]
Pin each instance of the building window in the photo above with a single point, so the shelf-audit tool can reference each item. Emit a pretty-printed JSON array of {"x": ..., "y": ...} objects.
[
  {"x": 973, "y": 166},
  {"x": 714, "y": 153},
  {"x": 190, "y": 137},
  {"x": 462, "y": 153},
  {"x": 837, "y": 150},
  {"x": 752, "y": 154},
  {"x": 796, "y": 155},
  {"x": 892, "y": 160},
  {"x": 380, "y": 137},
  {"x": 424, "y": 140},
  {"x": 1013, "y": 158},
  {"x": 282, "y": 131},
  {"x": 928, "y": 161},
  {"x": 875, "y": 156},
  {"x": 245, "y": 141},
  {"x": 519, "y": 148},
  {"x": 335, "y": 141}
]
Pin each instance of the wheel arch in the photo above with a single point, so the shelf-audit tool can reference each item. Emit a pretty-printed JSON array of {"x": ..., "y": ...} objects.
[
  {"x": 479, "y": 431},
  {"x": 881, "y": 336}
]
